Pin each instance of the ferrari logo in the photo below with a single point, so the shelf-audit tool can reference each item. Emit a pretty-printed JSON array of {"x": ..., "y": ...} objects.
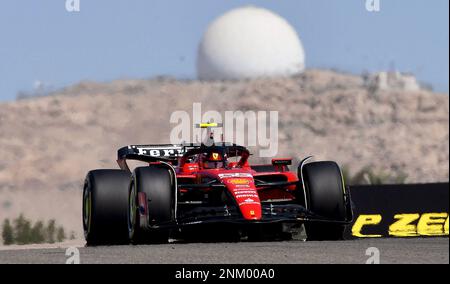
[{"x": 215, "y": 156}]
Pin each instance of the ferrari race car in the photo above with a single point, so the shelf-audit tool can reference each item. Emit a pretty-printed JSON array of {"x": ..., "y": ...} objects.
[{"x": 186, "y": 189}]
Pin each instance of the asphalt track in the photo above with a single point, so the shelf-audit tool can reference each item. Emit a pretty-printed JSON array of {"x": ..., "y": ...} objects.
[{"x": 416, "y": 250}]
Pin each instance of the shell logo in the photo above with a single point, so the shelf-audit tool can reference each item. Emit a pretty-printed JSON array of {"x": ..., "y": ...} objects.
[{"x": 239, "y": 181}]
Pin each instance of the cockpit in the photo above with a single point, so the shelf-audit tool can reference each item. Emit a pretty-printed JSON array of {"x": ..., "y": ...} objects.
[
  {"x": 213, "y": 160},
  {"x": 216, "y": 157}
]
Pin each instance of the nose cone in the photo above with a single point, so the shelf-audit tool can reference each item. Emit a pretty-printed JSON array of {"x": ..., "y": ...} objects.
[
  {"x": 251, "y": 211},
  {"x": 244, "y": 192}
]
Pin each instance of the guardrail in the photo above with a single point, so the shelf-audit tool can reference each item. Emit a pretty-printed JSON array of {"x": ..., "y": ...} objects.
[{"x": 407, "y": 210}]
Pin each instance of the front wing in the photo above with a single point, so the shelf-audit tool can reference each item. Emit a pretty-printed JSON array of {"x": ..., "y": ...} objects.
[{"x": 272, "y": 213}]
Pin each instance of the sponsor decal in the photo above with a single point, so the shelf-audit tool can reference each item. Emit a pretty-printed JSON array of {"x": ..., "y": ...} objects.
[
  {"x": 194, "y": 222},
  {"x": 239, "y": 181},
  {"x": 248, "y": 201},
  {"x": 246, "y": 195},
  {"x": 399, "y": 210},
  {"x": 159, "y": 152},
  {"x": 404, "y": 225},
  {"x": 242, "y": 186},
  {"x": 243, "y": 191},
  {"x": 236, "y": 175}
]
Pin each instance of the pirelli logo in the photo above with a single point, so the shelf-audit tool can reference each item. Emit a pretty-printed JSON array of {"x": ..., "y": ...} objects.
[
  {"x": 399, "y": 210},
  {"x": 401, "y": 225}
]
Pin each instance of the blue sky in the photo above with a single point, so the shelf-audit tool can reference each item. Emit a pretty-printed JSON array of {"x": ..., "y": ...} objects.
[{"x": 110, "y": 39}]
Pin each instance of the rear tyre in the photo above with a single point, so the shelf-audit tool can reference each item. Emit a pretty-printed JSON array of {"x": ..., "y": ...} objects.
[
  {"x": 325, "y": 197},
  {"x": 157, "y": 184},
  {"x": 105, "y": 206}
]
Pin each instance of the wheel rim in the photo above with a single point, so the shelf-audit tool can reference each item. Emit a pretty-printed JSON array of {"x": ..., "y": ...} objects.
[
  {"x": 87, "y": 210},
  {"x": 131, "y": 211}
]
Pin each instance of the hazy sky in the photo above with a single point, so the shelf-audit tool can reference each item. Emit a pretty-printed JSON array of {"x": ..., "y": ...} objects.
[{"x": 109, "y": 39}]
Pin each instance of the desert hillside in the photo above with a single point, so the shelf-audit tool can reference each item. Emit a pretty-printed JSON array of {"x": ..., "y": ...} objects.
[{"x": 49, "y": 143}]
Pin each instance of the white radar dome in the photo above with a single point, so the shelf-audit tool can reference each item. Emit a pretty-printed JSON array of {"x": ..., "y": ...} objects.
[{"x": 249, "y": 42}]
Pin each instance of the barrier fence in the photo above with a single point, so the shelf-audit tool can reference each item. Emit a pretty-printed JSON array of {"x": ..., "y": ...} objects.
[{"x": 409, "y": 210}]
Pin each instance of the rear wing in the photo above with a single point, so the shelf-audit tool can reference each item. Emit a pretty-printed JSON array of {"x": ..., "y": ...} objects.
[
  {"x": 150, "y": 152},
  {"x": 169, "y": 153},
  {"x": 153, "y": 153}
]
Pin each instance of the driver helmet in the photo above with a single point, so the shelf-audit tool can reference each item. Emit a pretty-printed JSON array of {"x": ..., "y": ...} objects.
[{"x": 213, "y": 160}]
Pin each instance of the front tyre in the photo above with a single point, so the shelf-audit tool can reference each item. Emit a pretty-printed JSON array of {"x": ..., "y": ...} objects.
[
  {"x": 325, "y": 197},
  {"x": 105, "y": 206},
  {"x": 156, "y": 183}
]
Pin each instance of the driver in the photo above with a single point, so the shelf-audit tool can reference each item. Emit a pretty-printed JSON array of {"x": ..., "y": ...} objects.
[{"x": 213, "y": 160}]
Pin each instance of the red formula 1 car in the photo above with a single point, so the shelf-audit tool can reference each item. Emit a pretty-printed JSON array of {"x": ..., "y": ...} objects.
[{"x": 188, "y": 189}]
